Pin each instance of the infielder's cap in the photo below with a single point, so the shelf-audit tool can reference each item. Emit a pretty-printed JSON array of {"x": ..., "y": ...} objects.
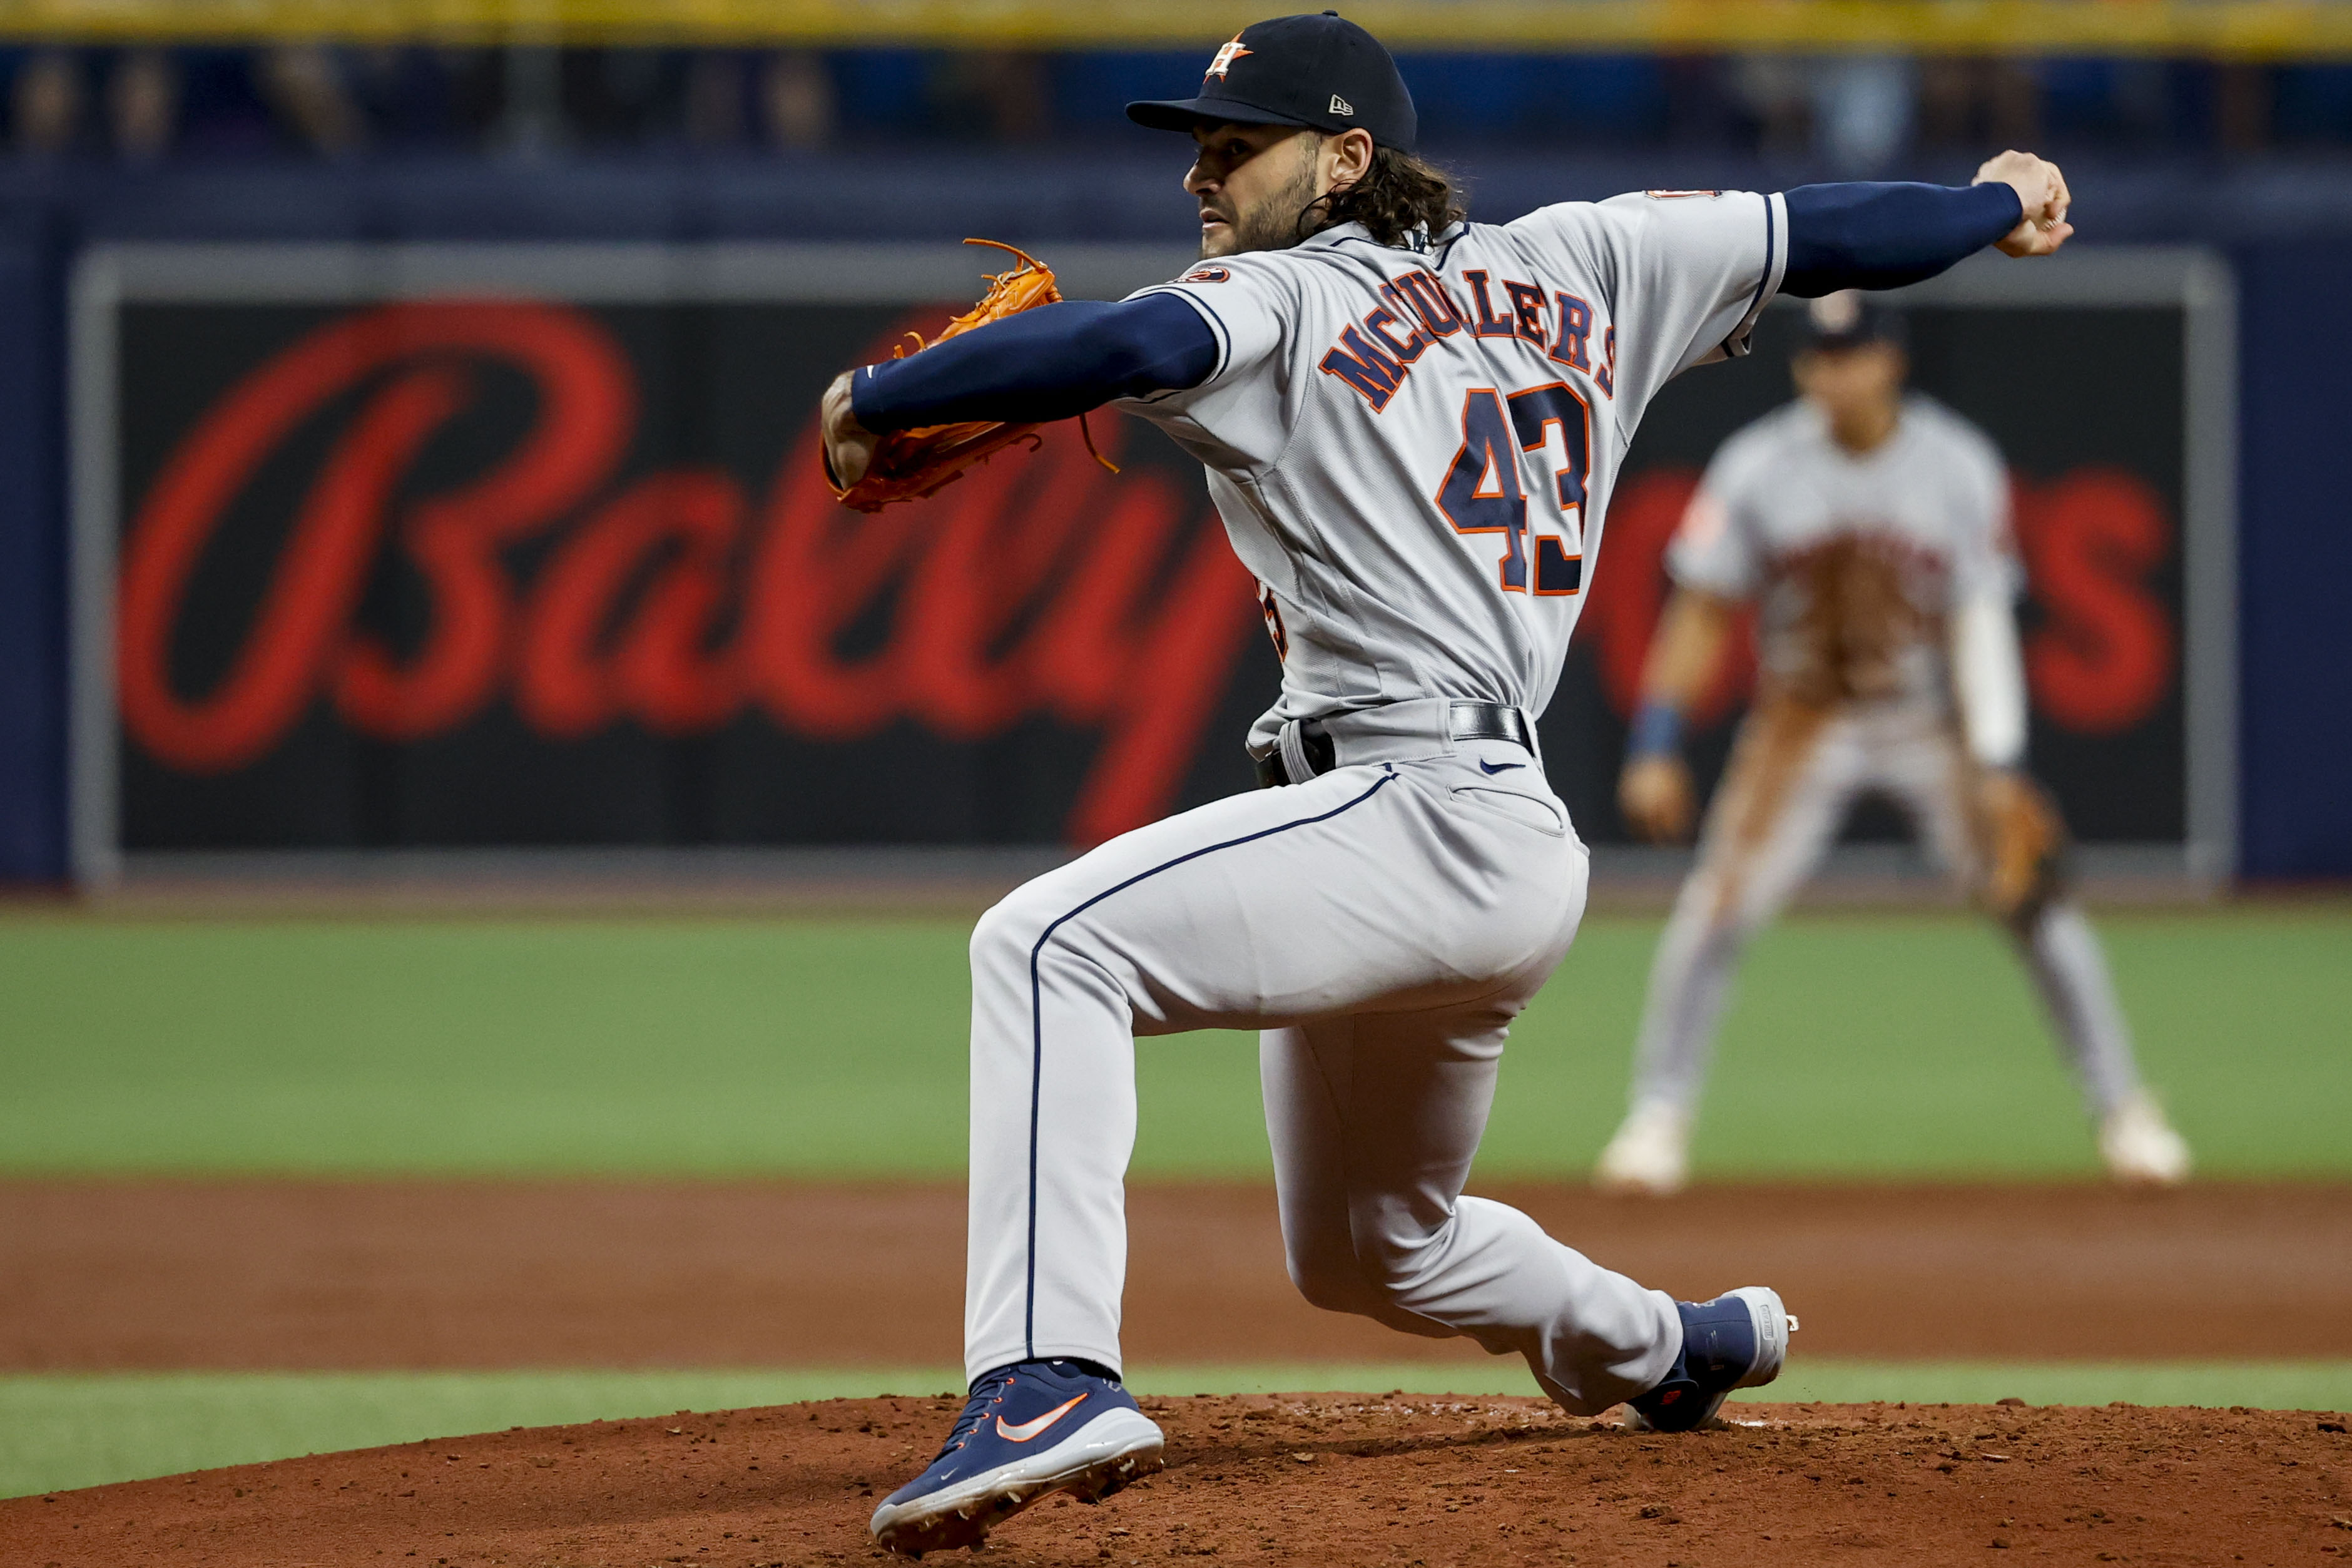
[
  {"x": 1323, "y": 72},
  {"x": 1851, "y": 317}
]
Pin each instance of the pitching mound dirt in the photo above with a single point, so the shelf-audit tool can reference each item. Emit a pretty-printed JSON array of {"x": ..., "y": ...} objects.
[{"x": 1325, "y": 1479}]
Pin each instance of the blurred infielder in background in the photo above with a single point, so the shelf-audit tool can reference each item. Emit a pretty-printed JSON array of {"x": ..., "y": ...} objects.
[
  {"x": 1412, "y": 425},
  {"x": 1872, "y": 528}
]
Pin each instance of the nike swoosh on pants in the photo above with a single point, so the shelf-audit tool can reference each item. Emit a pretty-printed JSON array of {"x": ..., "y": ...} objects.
[
  {"x": 1028, "y": 1429},
  {"x": 1498, "y": 767}
]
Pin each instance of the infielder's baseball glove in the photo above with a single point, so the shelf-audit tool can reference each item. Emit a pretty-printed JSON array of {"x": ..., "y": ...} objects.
[
  {"x": 2025, "y": 846},
  {"x": 910, "y": 464}
]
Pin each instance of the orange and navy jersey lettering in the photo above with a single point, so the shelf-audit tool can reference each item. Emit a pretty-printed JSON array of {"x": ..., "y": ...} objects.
[{"x": 1373, "y": 354}]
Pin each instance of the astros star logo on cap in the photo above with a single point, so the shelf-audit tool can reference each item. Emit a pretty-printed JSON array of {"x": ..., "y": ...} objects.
[{"x": 1226, "y": 55}]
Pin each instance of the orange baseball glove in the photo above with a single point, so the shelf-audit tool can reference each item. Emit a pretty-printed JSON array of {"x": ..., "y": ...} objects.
[
  {"x": 2026, "y": 846},
  {"x": 911, "y": 464}
]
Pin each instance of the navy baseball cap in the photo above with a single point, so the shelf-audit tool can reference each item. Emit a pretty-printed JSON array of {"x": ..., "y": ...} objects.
[
  {"x": 1850, "y": 318},
  {"x": 1322, "y": 72}
]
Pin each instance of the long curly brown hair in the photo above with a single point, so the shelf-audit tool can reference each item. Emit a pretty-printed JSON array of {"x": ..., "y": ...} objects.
[{"x": 1397, "y": 194}]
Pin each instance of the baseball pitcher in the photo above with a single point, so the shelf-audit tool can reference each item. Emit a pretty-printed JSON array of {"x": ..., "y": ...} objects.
[
  {"x": 1411, "y": 424},
  {"x": 1872, "y": 530}
]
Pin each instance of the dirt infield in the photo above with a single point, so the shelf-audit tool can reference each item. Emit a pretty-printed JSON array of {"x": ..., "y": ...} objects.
[
  {"x": 97, "y": 1276},
  {"x": 1335, "y": 1479}
]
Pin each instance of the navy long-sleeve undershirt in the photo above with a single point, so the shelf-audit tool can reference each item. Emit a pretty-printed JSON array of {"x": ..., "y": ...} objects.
[
  {"x": 1048, "y": 364},
  {"x": 1865, "y": 236},
  {"x": 1062, "y": 360}
]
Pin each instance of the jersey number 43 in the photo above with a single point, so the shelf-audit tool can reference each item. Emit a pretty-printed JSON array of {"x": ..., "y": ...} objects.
[{"x": 1483, "y": 493}]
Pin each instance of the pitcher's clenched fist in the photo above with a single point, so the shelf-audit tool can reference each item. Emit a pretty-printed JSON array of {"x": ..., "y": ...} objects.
[{"x": 2042, "y": 190}]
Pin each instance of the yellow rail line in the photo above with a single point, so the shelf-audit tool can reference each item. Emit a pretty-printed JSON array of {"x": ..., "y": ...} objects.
[{"x": 2225, "y": 29}]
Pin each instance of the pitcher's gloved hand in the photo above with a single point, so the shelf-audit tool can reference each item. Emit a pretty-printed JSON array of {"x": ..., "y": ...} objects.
[{"x": 869, "y": 470}]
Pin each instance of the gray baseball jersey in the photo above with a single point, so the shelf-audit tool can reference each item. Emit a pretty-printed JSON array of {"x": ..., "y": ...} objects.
[
  {"x": 1855, "y": 560},
  {"x": 1412, "y": 448}
]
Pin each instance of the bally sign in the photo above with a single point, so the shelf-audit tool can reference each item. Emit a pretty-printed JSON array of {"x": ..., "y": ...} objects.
[{"x": 478, "y": 546}]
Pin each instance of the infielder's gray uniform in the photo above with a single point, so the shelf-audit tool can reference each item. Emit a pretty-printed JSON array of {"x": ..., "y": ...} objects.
[
  {"x": 1857, "y": 564},
  {"x": 1411, "y": 449}
]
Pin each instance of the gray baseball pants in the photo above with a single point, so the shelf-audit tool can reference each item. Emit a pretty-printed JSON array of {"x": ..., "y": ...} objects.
[
  {"x": 1382, "y": 925},
  {"x": 1794, "y": 775}
]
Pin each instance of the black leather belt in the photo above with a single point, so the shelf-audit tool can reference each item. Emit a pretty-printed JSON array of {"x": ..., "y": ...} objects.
[{"x": 1471, "y": 722}]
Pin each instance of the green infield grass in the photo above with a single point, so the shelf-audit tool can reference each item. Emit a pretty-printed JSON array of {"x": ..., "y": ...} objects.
[
  {"x": 58, "y": 1432},
  {"x": 1889, "y": 1045}
]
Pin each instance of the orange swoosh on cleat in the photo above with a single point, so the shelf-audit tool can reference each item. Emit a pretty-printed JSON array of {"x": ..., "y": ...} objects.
[{"x": 1028, "y": 1429}]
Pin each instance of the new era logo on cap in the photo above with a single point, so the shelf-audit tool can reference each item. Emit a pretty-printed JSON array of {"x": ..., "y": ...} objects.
[{"x": 1342, "y": 106}]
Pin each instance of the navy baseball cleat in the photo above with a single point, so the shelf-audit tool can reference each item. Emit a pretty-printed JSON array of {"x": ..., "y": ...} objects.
[
  {"x": 1736, "y": 1341},
  {"x": 1028, "y": 1431}
]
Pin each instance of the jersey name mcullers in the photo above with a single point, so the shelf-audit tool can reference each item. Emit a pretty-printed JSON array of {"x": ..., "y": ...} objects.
[
  {"x": 1413, "y": 447},
  {"x": 1856, "y": 561}
]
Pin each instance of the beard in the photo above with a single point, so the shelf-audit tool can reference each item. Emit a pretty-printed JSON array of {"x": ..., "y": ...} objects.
[{"x": 1278, "y": 221}]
